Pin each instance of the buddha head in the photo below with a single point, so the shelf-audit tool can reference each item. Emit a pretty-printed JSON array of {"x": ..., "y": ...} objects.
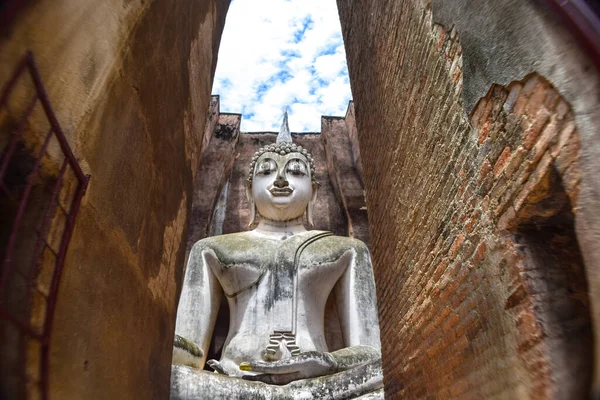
[{"x": 281, "y": 185}]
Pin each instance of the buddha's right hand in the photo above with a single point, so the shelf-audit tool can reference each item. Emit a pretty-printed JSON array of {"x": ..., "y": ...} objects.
[{"x": 310, "y": 364}]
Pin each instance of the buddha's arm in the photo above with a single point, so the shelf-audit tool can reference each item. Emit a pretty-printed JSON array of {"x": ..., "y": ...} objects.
[
  {"x": 198, "y": 308},
  {"x": 357, "y": 308}
]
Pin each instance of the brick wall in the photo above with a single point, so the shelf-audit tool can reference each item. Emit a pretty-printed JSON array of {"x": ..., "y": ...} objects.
[
  {"x": 481, "y": 285},
  {"x": 217, "y": 157},
  {"x": 345, "y": 173}
]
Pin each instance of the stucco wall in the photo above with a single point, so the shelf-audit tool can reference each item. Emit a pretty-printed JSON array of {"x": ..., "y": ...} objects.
[{"x": 130, "y": 82}]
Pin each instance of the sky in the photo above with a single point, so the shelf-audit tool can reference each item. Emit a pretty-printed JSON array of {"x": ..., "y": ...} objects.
[{"x": 282, "y": 53}]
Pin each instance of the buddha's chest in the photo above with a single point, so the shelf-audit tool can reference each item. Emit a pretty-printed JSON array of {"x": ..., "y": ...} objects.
[{"x": 279, "y": 272}]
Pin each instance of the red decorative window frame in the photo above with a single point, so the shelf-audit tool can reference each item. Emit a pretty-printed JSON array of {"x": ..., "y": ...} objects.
[{"x": 49, "y": 243}]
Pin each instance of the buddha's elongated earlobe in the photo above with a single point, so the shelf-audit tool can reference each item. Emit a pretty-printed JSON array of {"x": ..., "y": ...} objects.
[
  {"x": 251, "y": 204},
  {"x": 311, "y": 204}
]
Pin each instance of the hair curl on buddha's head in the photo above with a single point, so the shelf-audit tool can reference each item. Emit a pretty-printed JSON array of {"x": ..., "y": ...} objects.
[{"x": 282, "y": 148}]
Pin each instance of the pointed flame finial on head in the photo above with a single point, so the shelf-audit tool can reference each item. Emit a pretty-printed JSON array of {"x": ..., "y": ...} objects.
[
  {"x": 284, "y": 135},
  {"x": 282, "y": 146}
]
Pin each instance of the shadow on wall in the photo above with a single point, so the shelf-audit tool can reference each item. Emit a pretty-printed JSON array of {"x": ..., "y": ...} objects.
[
  {"x": 531, "y": 177},
  {"x": 552, "y": 283}
]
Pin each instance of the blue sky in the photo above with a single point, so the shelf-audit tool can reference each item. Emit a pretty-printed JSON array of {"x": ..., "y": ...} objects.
[{"x": 278, "y": 53}]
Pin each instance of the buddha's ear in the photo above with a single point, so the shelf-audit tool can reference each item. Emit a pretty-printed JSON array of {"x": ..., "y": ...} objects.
[
  {"x": 251, "y": 204},
  {"x": 311, "y": 204}
]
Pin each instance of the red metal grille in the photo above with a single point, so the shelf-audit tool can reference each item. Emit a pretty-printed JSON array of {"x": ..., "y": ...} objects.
[{"x": 41, "y": 186}]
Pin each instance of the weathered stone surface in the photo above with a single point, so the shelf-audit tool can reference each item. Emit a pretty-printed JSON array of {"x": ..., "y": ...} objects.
[
  {"x": 191, "y": 384},
  {"x": 130, "y": 82},
  {"x": 353, "y": 135},
  {"x": 460, "y": 208}
]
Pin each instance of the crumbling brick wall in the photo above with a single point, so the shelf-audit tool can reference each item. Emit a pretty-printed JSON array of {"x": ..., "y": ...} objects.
[{"x": 481, "y": 283}]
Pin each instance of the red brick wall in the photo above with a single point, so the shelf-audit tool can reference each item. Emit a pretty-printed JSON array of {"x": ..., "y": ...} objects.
[
  {"x": 480, "y": 282},
  {"x": 345, "y": 176}
]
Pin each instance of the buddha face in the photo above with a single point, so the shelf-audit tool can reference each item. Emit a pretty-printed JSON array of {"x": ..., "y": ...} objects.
[{"x": 282, "y": 186}]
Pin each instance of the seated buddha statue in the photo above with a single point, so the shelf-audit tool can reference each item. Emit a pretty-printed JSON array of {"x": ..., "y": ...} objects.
[{"x": 277, "y": 279}]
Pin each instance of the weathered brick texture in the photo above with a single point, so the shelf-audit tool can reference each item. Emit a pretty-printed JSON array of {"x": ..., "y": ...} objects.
[
  {"x": 480, "y": 280},
  {"x": 342, "y": 162}
]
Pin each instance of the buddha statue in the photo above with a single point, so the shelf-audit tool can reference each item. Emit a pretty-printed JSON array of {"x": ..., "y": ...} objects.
[{"x": 277, "y": 279}]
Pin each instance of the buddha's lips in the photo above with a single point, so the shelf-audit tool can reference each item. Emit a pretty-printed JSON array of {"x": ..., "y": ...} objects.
[{"x": 280, "y": 192}]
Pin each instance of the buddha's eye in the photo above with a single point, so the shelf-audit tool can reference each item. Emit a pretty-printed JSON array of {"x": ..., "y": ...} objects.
[
  {"x": 265, "y": 167},
  {"x": 297, "y": 168}
]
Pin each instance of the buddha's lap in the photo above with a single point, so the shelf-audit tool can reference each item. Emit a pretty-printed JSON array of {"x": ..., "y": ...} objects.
[{"x": 189, "y": 383}]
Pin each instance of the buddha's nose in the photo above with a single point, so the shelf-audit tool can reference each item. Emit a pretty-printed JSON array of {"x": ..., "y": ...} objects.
[{"x": 280, "y": 181}]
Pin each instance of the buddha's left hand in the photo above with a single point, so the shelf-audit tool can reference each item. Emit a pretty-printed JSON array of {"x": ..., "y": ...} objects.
[{"x": 310, "y": 364}]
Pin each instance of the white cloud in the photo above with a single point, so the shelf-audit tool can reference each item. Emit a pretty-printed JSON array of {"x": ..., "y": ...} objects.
[
  {"x": 330, "y": 66},
  {"x": 278, "y": 53}
]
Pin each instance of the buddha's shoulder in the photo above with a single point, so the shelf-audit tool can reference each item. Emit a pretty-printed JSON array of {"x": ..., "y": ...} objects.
[
  {"x": 246, "y": 242},
  {"x": 342, "y": 243},
  {"x": 228, "y": 242},
  {"x": 248, "y": 248}
]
